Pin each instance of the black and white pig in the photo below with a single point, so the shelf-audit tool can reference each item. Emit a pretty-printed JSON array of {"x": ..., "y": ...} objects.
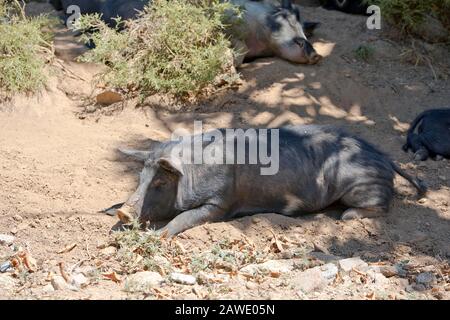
[
  {"x": 271, "y": 28},
  {"x": 433, "y": 135},
  {"x": 317, "y": 166}
]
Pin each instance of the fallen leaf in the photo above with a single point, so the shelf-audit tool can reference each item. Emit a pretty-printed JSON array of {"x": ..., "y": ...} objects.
[
  {"x": 63, "y": 272},
  {"x": 67, "y": 248},
  {"x": 112, "y": 276},
  {"x": 370, "y": 296},
  {"x": 275, "y": 274}
]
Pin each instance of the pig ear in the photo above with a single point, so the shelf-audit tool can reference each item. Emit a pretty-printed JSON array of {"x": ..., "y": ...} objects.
[
  {"x": 173, "y": 165},
  {"x": 286, "y": 4},
  {"x": 137, "y": 154},
  {"x": 309, "y": 27}
]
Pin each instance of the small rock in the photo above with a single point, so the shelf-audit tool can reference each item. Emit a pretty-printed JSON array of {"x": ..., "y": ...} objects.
[
  {"x": 206, "y": 278},
  {"x": 48, "y": 288},
  {"x": 270, "y": 266},
  {"x": 389, "y": 271},
  {"x": 426, "y": 278},
  {"x": 108, "y": 252},
  {"x": 6, "y": 282},
  {"x": 251, "y": 285},
  {"x": 142, "y": 281},
  {"x": 6, "y": 239},
  {"x": 316, "y": 278},
  {"x": 162, "y": 261},
  {"x": 87, "y": 271},
  {"x": 6, "y": 266},
  {"x": 18, "y": 218},
  {"x": 380, "y": 279},
  {"x": 347, "y": 265},
  {"x": 109, "y": 97},
  {"x": 326, "y": 258},
  {"x": 79, "y": 280},
  {"x": 182, "y": 278},
  {"x": 419, "y": 287},
  {"x": 329, "y": 271},
  {"x": 59, "y": 283}
]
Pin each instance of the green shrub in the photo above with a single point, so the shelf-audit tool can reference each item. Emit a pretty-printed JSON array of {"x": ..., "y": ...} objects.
[
  {"x": 364, "y": 52},
  {"x": 24, "y": 50},
  {"x": 408, "y": 14},
  {"x": 177, "y": 47}
]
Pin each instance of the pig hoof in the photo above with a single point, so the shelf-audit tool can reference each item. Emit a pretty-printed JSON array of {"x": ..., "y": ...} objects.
[
  {"x": 124, "y": 216},
  {"x": 350, "y": 214}
]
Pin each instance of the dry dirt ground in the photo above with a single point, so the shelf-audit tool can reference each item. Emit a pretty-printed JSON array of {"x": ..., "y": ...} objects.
[{"x": 59, "y": 167}]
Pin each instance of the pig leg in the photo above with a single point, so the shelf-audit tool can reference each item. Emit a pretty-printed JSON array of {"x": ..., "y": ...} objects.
[
  {"x": 192, "y": 218},
  {"x": 367, "y": 201},
  {"x": 112, "y": 211},
  {"x": 357, "y": 213}
]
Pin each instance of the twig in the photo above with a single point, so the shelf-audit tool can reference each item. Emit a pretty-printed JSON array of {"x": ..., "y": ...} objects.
[{"x": 63, "y": 272}]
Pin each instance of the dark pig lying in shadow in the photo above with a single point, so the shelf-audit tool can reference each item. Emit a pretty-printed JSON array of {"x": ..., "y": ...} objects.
[
  {"x": 314, "y": 167},
  {"x": 433, "y": 135}
]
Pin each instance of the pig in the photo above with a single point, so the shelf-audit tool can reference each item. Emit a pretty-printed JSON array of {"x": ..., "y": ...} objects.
[
  {"x": 108, "y": 9},
  {"x": 433, "y": 135},
  {"x": 125, "y": 9},
  {"x": 273, "y": 29},
  {"x": 318, "y": 166},
  {"x": 86, "y": 6}
]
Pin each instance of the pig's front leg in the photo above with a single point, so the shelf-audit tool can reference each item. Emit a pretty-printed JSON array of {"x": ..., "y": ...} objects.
[{"x": 192, "y": 218}]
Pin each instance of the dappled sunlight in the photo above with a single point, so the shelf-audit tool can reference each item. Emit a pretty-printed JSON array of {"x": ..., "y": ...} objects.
[
  {"x": 325, "y": 49},
  {"x": 398, "y": 125}
]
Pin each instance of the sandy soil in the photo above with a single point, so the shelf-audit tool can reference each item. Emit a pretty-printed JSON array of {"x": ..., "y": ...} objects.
[{"x": 59, "y": 167}]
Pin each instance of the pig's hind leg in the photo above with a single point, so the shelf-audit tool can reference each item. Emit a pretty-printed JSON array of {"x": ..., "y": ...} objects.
[{"x": 367, "y": 201}]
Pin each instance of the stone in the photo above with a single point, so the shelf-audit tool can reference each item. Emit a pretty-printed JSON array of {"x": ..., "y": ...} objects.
[
  {"x": 18, "y": 218},
  {"x": 182, "y": 278},
  {"x": 142, "y": 281},
  {"x": 88, "y": 271},
  {"x": 108, "y": 252},
  {"x": 316, "y": 278},
  {"x": 108, "y": 97},
  {"x": 347, "y": 265},
  {"x": 326, "y": 258},
  {"x": 6, "y": 282},
  {"x": 6, "y": 239},
  {"x": 389, "y": 271},
  {"x": 161, "y": 261},
  {"x": 48, "y": 288},
  {"x": 206, "y": 278},
  {"x": 426, "y": 278},
  {"x": 79, "y": 280},
  {"x": 270, "y": 266},
  {"x": 380, "y": 279},
  {"x": 251, "y": 285},
  {"x": 59, "y": 283}
]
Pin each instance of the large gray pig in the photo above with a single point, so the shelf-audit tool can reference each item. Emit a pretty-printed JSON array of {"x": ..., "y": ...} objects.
[{"x": 317, "y": 166}]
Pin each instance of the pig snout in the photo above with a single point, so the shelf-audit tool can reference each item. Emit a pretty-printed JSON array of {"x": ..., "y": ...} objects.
[
  {"x": 299, "y": 50},
  {"x": 310, "y": 54}
]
